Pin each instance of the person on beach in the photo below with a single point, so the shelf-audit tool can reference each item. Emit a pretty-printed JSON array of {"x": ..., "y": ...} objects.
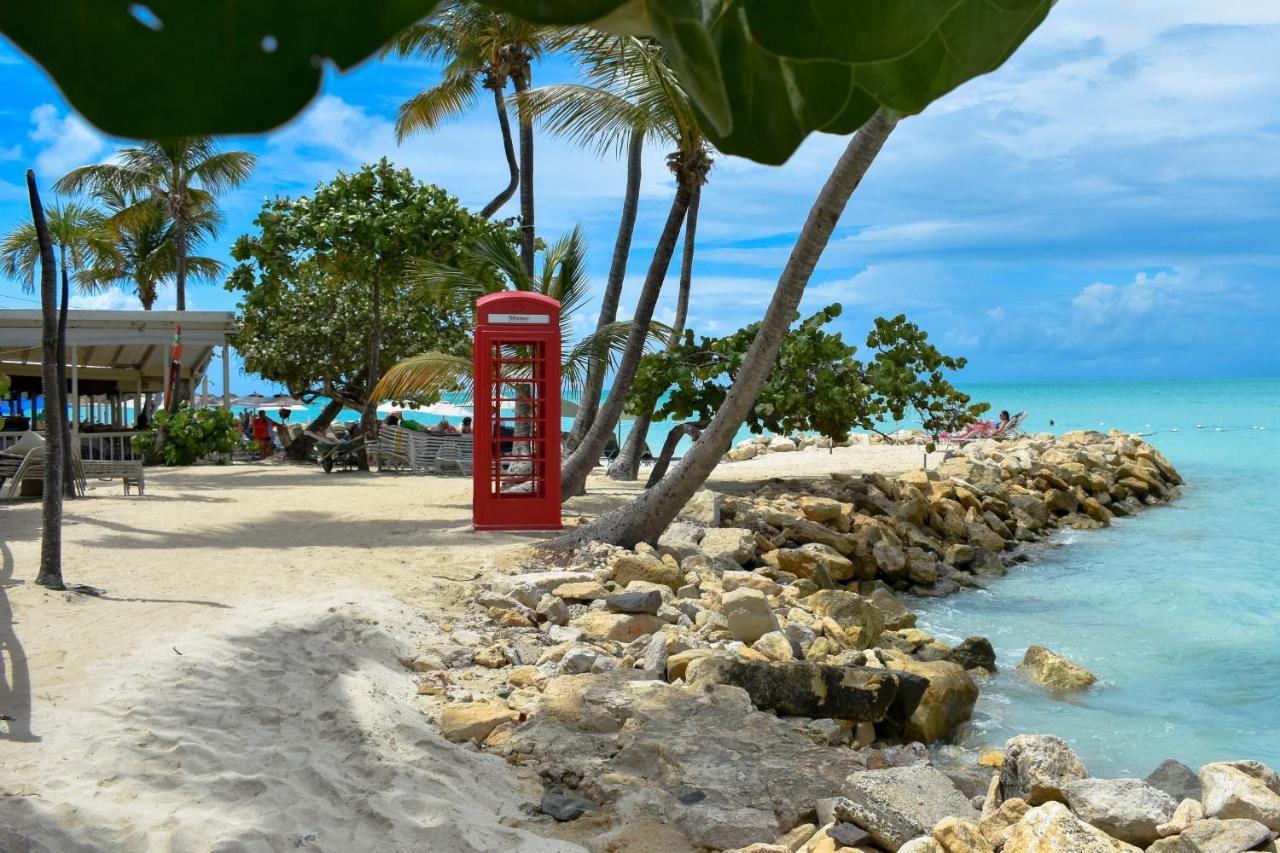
[
  {"x": 392, "y": 419},
  {"x": 246, "y": 424},
  {"x": 980, "y": 429},
  {"x": 443, "y": 428},
  {"x": 262, "y": 435},
  {"x": 466, "y": 426}
]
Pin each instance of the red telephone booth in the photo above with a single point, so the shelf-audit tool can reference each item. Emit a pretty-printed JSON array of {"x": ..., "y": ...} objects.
[{"x": 517, "y": 404}]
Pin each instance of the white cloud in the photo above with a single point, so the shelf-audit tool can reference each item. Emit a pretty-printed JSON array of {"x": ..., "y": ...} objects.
[
  {"x": 68, "y": 142},
  {"x": 119, "y": 299}
]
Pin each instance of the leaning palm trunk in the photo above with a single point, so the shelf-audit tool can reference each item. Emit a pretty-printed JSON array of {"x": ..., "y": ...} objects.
[
  {"x": 573, "y": 475},
  {"x": 59, "y": 396},
  {"x": 627, "y": 465},
  {"x": 594, "y": 383},
  {"x": 527, "y": 232},
  {"x": 50, "y": 574},
  {"x": 504, "y": 123},
  {"x": 646, "y": 518},
  {"x": 302, "y": 447}
]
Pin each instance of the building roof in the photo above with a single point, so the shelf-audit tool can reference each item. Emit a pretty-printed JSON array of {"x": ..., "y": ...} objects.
[{"x": 115, "y": 349}]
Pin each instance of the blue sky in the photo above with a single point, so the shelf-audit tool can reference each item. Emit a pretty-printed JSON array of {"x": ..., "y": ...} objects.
[{"x": 1105, "y": 206}]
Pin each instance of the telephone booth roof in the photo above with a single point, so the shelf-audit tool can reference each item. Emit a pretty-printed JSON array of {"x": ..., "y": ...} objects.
[{"x": 518, "y": 302}]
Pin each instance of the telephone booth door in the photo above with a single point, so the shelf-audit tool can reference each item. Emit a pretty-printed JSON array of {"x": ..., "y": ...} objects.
[{"x": 516, "y": 479}]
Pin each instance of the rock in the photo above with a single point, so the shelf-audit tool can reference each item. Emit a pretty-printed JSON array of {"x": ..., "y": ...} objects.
[
  {"x": 678, "y": 663},
  {"x": 1052, "y": 670},
  {"x": 947, "y": 702},
  {"x": 1215, "y": 836},
  {"x": 960, "y": 554},
  {"x": 781, "y": 444},
  {"x": 983, "y": 536},
  {"x": 890, "y": 559},
  {"x": 743, "y": 453},
  {"x": 731, "y": 543},
  {"x": 581, "y": 591},
  {"x": 578, "y": 660},
  {"x": 1187, "y": 813},
  {"x": 564, "y": 807},
  {"x": 922, "y": 567},
  {"x": 858, "y": 616},
  {"x": 474, "y": 721},
  {"x": 898, "y": 804},
  {"x": 804, "y": 688},
  {"x": 1052, "y": 828},
  {"x": 634, "y": 602},
  {"x": 491, "y": 657},
  {"x": 1175, "y": 779},
  {"x": 1035, "y": 768},
  {"x": 736, "y": 580},
  {"x": 820, "y": 509},
  {"x": 804, "y": 531},
  {"x": 621, "y": 627},
  {"x": 703, "y": 508},
  {"x": 529, "y": 588},
  {"x": 995, "y": 826},
  {"x": 553, "y": 609},
  {"x": 775, "y": 646},
  {"x": 957, "y": 835},
  {"x": 923, "y": 844},
  {"x": 893, "y": 612},
  {"x": 648, "y": 568},
  {"x": 1241, "y": 789},
  {"x": 974, "y": 653},
  {"x": 1128, "y": 809},
  {"x": 747, "y": 613}
]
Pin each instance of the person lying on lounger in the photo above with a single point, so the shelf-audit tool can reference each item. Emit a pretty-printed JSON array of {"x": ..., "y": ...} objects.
[{"x": 980, "y": 429}]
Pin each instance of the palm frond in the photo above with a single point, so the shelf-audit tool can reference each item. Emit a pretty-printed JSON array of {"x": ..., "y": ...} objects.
[
  {"x": 599, "y": 120},
  {"x": 496, "y": 250},
  {"x": 445, "y": 285},
  {"x": 425, "y": 375},
  {"x": 430, "y": 108},
  {"x": 224, "y": 171}
]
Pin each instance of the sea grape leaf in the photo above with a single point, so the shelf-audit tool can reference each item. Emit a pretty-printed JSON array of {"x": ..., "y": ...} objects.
[{"x": 762, "y": 74}]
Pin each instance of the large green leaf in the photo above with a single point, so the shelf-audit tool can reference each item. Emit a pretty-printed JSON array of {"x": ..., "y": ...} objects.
[
  {"x": 763, "y": 74},
  {"x": 191, "y": 67}
]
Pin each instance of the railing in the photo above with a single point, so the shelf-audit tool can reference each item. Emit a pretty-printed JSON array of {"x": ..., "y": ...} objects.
[
  {"x": 107, "y": 445},
  {"x": 8, "y": 439}
]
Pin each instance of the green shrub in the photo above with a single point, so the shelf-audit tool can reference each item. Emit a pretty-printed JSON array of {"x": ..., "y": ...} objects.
[{"x": 192, "y": 435}]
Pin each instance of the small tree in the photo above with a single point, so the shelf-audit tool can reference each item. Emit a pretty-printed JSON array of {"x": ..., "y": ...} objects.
[{"x": 324, "y": 298}]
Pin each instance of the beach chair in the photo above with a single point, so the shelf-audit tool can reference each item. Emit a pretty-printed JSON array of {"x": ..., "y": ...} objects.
[
  {"x": 1012, "y": 428},
  {"x": 393, "y": 450},
  {"x": 32, "y": 468},
  {"x": 128, "y": 471},
  {"x": 457, "y": 454},
  {"x": 426, "y": 452}
]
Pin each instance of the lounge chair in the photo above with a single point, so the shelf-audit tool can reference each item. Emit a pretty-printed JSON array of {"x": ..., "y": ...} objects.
[
  {"x": 457, "y": 453},
  {"x": 1011, "y": 428},
  {"x": 31, "y": 467}
]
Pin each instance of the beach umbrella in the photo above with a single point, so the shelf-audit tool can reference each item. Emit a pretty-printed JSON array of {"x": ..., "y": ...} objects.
[
  {"x": 211, "y": 400},
  {"x": 283, "y": 401},
  {"x": 250, "y": 401}
]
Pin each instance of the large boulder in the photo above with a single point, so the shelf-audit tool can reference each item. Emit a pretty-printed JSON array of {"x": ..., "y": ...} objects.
[
  {"x": 629, "y": 567},
  {"x": 860, "y": 619},
  {"x": 1036, "y": 767},
  {"x": 1053, "y": 670},
  {"x": 947, "y": 702},
  {"x": 974, "y": 653},
  {"x": 619, "y": 627},
  {"x": 803, "y": 688},
  {"x": 957, "y": 835},
  {"x": 1214, "y": 836},
  {"x": 1175, "y": 779},
  {"x": 896, "y": 804},
  {"x": 1241, "y": 789},
  {"x": 747, "y": 613},
  {"x": 703, "y": 508},
  {"x": 997, "y": 822},
  {"x": 730, "y": 543},
  {"x": 1052, "y": 828},
  {"x": 474, "y": 721},
  {"x": 1128, "y": 809}
]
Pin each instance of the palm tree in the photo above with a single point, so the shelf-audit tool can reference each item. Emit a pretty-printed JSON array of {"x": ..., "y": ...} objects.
[
  {"x": 145, "y": 252},
  {"x": 182, "y": 176},
  {"x": 481, "y": 49},
  {"x": 81, "y": 238},
  {"x": 637, "y": 73},
  {"x": 563, "y": 278}
]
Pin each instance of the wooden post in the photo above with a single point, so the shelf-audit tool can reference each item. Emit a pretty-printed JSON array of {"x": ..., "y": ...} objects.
[
  {"x": 137, "y": 400},
  {"x": 75, "y": 389},
  {"x": 226, "y": 377}
]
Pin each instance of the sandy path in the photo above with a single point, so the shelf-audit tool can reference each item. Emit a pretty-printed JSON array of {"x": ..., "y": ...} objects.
[{"x": 238, "y": 687}]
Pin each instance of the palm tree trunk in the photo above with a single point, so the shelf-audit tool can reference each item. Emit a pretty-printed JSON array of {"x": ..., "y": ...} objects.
[
  {"x": 302, "y": 447},
  {"x": 527, "y": 232},
  {"x": 627, "y": 465},
  {"x": 50, "y": 574},
  {"x": 573, "y": 474},
  {"x": 590, "y": 403},
  {"x": 180, "y": 264},
  {"x": 505, "y": 124},
  {"x": 60, "y": 394},
  {"x": 369, "y": 418},
  {"x": 646, "y": 518}
]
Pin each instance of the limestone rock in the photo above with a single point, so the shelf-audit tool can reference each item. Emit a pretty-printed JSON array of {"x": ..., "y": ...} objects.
[
  {"x": 747, "y": 613},
  {"x": 581, "y": 591},
  {"x": 1187, "y": 813},
  {"x": 621, "y": 627},
  {"x": 1053, "y": 670},
  {"x": 529, "y": 588},
  {"x": 781, "y": 444},
  {"x": 703, "y": 508},
  {"x": 678, "y": 663},
  {"x": 804, "y": 688},
  {"x": 898, "y": 804},
  {"x": 974, "y": 653},
  {"x": 850, "y": 611},
  {"x": 820, "y": 509},
  {"x": 893, "y": 612},
  {"x": 736, "y": 580},
  {"x": 1241, "y": 789},
  {"x": 731, "y": 543},
  {"x": 1036, "y": 767},
  {"x": 1128, "y": 809},
  {"x": 474, "y": 720},
  {"x": 995, "y": 825},
  {"x": 775, "y": 646},
  {"x": 562, "y": 806},
  {"x": 923, "y": 844},
  {"x": 1052, "y": 828},
  {"x": 947, "y": 702},
  {"x": 646, "y": 567},
  {"x": 1175, "y": 779},
  {"x": 638, "y": 601},
  {"x": 957, "y": 835},
  {"x": 1215, "y": 836}
]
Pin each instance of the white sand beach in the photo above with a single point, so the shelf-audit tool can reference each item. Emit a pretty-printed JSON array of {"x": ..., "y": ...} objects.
[{"x": 238, "y": 686}]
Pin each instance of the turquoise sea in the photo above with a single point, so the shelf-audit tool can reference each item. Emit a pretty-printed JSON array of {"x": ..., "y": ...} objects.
[{"x": 1176, "y": 610}]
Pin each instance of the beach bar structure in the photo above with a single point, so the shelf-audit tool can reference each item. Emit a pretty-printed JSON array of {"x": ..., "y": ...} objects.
[{"x": 113, "y": 358}]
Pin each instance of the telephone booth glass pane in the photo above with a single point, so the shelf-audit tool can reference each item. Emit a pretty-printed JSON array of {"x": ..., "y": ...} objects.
[{"x": 518, "y": 403}]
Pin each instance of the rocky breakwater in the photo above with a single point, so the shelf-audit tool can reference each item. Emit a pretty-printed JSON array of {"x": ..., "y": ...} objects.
[{"x": 727, "y": 682}]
